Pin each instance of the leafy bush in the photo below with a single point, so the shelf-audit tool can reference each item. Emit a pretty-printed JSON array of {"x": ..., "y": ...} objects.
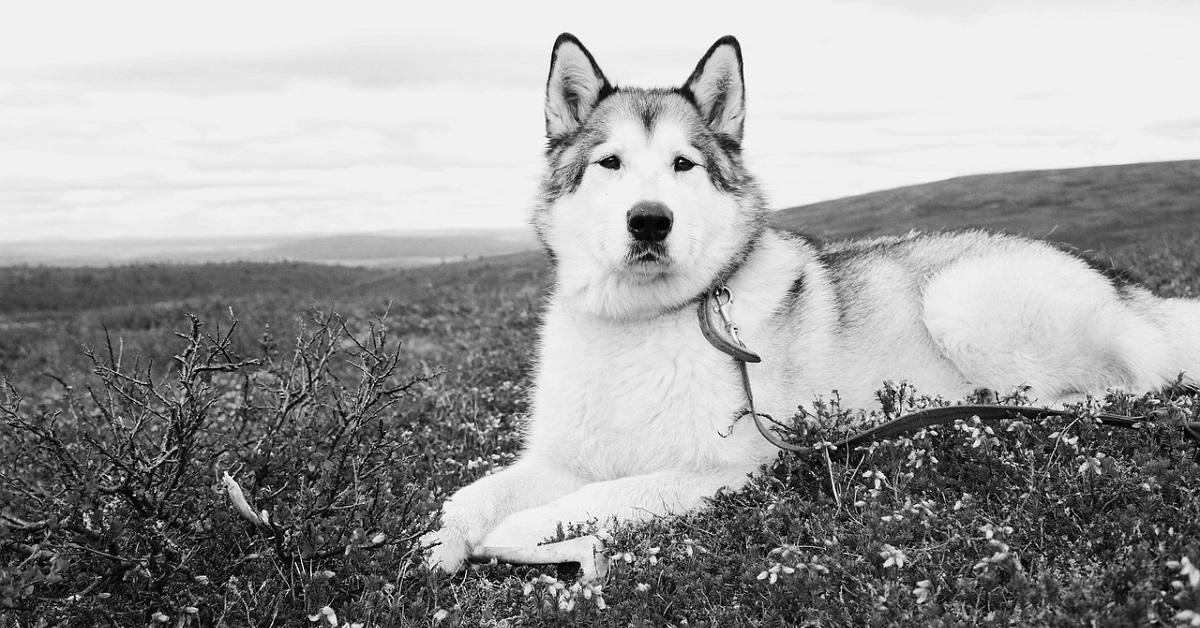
[{"x": 115, "y": 510}]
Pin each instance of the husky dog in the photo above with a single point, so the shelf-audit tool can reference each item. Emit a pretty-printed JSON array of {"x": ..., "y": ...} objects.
[{"x": 646, "y": 207}]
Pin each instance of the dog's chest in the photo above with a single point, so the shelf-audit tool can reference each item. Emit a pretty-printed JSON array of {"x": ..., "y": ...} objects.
[{"x": 619, "y": 399}]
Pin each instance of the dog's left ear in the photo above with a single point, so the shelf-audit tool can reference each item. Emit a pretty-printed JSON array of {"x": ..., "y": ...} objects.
[{"x": 718, "y": 88}]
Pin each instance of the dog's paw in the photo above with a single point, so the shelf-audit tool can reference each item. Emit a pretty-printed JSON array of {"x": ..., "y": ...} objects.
[
  {"x": 446, "y": 550},
  {"x": 528, "y": 527}
]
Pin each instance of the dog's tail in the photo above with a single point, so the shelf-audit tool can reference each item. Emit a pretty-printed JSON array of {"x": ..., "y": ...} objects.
[{"x": 1181, "y": 323}]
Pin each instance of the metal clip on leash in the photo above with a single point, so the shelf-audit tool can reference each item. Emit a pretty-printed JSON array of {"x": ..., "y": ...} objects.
[{"x": 718, "y": 304}]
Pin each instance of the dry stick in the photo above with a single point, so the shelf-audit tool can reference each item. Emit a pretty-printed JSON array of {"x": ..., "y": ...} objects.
[{"x": 587, "y": 551}]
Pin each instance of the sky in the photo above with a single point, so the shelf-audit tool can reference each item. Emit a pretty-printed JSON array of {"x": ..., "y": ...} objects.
[{"x": 228, "y": 119}]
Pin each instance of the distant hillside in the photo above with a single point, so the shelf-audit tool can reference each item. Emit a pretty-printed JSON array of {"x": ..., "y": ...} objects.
[
  {"x": 1091, "y": 208},
  {"x": 48, "y": 289},
  {"x": 403, "y": 249},
  {"x": 383, "y": 249},
  {"x": 58, "y": 290}
]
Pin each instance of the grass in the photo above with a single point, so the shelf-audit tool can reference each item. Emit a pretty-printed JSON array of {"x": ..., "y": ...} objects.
[{"x": 350, "y": 429}]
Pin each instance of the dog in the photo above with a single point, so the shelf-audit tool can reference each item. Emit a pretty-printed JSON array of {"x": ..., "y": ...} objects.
[{"x": 646, "y": 207}]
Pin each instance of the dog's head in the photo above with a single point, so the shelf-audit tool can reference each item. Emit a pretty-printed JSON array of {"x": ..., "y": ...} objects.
[{"x": 646, "y": 202}]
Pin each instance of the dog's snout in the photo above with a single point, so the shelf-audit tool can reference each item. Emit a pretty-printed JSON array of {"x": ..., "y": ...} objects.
[{"x": 649, "y": 221}]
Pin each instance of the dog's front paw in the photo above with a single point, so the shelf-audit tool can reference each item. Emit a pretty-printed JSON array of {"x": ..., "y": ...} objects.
[
  {"x": 445, "y": 550},
  {"x": 525, "y": 528}
]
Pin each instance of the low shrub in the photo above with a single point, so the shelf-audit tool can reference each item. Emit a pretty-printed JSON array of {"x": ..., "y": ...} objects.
[{"x": 115, "y": 509}]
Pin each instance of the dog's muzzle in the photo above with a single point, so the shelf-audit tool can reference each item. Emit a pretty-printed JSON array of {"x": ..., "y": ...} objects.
[{"x": 649, "y": 221}]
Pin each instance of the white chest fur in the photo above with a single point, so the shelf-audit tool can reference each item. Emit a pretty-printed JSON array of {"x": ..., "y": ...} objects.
[{"x": 622, "y": 398}]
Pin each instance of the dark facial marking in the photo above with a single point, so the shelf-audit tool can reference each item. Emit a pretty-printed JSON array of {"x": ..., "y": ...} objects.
[
  {"x": 556, "y": 142},
  {"x": 649, "y": 116},
  {"x": 566, "y": 170}
]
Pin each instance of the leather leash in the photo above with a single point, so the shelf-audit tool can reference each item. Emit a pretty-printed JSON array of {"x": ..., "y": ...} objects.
[{"x": 716, "y": 323}]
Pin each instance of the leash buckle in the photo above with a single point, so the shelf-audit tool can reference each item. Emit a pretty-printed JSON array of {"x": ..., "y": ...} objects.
[
  {"x": 716, "y": 323},
  {"x": 724, "y": 307}
]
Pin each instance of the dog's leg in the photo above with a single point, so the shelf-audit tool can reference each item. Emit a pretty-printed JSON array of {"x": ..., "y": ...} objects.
[
  {"x": 634, "y": 498},
  {"x": 476, "y": 508},
  {"x": 1181, "y": 322},
  {"x": 1044, "y": 321}
]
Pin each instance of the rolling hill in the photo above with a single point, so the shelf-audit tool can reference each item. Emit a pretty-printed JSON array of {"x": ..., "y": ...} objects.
[
  {"x": 1102, "y": 207},
  {"x": 385, "y": 249}
]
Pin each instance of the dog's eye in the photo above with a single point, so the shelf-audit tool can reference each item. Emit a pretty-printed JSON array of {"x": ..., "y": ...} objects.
[
  {"x": 612, "y": 162},
  {"x": 683, "y": 164}
]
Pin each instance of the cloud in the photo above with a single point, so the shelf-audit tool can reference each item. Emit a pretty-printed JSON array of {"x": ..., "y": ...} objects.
[
  {"x": 1185, "y": 129},
  {"x": 359, "y": 65}
]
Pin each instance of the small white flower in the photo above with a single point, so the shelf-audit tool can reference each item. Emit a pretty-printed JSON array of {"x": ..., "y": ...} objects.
[
  {"x": 1091, "y": 464},
  {"x": 440, "y": 615},
  {"x": 892, "y": 557},
  {"x": 922, "y": 591},
  {"x": 1186, "y": 568}
]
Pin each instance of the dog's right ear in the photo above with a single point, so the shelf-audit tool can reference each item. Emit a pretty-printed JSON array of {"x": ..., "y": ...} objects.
[{"x": 575, "y": 85}]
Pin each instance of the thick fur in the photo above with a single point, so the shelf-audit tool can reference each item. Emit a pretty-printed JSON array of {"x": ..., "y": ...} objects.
[{"x": 632, "y": 409}]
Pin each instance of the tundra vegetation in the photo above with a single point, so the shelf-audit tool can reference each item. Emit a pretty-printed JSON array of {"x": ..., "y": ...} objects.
[{"x": 348, "y": 403}]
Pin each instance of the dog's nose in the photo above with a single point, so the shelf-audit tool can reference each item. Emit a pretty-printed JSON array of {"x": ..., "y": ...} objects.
[{"x": 649, "y": 221}]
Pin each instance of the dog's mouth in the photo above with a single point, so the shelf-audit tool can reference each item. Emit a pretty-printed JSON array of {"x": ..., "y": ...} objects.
[{"x": 649, "y": 257}]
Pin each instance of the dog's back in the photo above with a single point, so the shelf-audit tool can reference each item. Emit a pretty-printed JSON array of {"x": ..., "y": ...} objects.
[{"x": 1007, "y": 312}]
